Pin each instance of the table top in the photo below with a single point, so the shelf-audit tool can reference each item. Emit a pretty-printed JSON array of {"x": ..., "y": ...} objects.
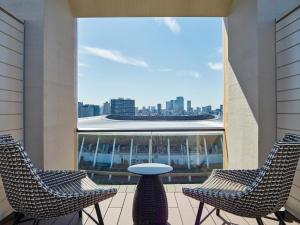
[{"x": 150, "y": 169}]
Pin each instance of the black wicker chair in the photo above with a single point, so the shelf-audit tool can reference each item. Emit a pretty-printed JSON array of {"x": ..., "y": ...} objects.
[
  {"x": 251, "y": 193},
  {"x": 39, "y": 194}
]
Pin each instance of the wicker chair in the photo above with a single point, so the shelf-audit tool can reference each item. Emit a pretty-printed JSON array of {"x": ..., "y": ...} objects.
[
  {"x": 251, "y": 193},
  {"x": 39, "y": 194},
  {"x": 291, "y": 138}
]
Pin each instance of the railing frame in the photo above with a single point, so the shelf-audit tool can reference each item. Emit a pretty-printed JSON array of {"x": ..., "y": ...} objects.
[{"x": 110, "y": 173}]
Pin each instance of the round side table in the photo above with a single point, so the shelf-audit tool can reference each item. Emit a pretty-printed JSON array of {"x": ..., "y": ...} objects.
[{"x": 150, "y": 205}]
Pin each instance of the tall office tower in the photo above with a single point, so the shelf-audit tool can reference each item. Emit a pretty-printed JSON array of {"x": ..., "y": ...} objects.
[
  {"x": 199, "y": 110},
  {"x": 221, "y": 108},
  {"x": 96, "y": 109},
  {"x": 106, "y": 108},
  {"x": 189, "y": 106},
  {"x": 172, "y": 105},
  {"x": 80, "y": 105},
  {"x": 87, "y": 110},
  {"x": 152, "y": 109},
  {"x": 207, "y": 109},
  {"x": 221, "y": 111},
  {"x": 159, "y": 109},
  {"x": 123, "y": 107},
  {"x": 168, "y": 106},
  {"x": 179, "y": 105}
]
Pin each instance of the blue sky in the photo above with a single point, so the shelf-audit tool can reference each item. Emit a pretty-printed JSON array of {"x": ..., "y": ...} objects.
[{"x": 150, "y": 60}]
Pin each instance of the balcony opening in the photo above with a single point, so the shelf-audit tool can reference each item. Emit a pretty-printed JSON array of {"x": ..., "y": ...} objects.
[{"x": 150, "y": 90}]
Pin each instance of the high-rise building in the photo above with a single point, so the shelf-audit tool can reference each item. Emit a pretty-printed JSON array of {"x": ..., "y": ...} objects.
[
  {"x": 123, "y": 107},
  {"x": 96, "y": 110},
  {"x": 172, "y": 105},
  {"x": 168, "y": 106},
  {"x": 106, "y": 108},
  {"x": 87, "y": 110},
  {"x": 206, "y": 109},
  {"x": 159, "y": 109},
  {"x": 179, "y": 105},
  {"x": 152, "y": 109},
  {"x": 189, "y": 106},
  {"x": 79, "y": 109}
]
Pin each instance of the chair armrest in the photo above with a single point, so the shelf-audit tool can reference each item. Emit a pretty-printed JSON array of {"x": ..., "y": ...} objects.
[
  {"x": 58, "y": 177},
  {"x": 245, "y": 177}
]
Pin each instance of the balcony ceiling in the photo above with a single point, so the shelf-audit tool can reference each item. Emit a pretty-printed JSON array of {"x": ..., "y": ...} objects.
[{"x": 148, "y": 8}]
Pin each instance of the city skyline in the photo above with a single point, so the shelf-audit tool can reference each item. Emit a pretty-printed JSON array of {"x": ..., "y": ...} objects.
[
  {"x": 178, "y": 106},
  {"x": 163, "y": 104},
  {"x": 150, "y": 60}
]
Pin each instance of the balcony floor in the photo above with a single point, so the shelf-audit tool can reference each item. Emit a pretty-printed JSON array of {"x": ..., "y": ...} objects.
[{"x": 117, "y": 211}]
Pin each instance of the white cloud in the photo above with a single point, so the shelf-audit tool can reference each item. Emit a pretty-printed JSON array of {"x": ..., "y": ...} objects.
[
  {"x": 165, "y": 70},
  {"x": 215, "y": 65},
  {"x": 196, "y": 75},
  {"x": 220, "y": 50},
  {"x": 83, "y": 65},
  {"x": 171, "y": 23},
  {"x": 115, "y": 56},
  {"x": 188, "y": 73}
]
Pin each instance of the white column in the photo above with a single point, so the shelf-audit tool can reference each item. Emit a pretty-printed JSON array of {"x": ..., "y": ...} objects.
[
  {"x": 150, "y": 150},
  {"x": 131, "y": 149},
  {"x": 81, "y": 148},
  {"x": 198, "y": 149},
  {"x": 169, "y": 152},
  {"x": 188, "y": 156},
  {"x": 112, "y": 154},
  {"x": 188, "y": 153},
  {"x": 206, "y": 153},
  {"x": 130, "y": 156},
  {"x": 222, "y": 143},
  {"x": 96, "y": 153},
  {"x": 169, "y": 156}
]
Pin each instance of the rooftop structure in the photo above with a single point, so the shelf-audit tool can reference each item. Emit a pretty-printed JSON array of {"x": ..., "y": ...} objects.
[{"x": 261, "y": 94}]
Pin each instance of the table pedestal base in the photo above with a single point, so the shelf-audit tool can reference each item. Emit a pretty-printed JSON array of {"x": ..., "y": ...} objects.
[{"x": 150, "y": 206}]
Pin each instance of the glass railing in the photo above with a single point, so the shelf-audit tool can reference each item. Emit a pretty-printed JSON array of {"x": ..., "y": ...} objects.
[{"x": 192, "y": 154}]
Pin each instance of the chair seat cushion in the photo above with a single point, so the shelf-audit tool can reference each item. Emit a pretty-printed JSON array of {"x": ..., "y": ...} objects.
[
  {"x": 215, "y": 187},
  {"x": 78, "y": 186}
]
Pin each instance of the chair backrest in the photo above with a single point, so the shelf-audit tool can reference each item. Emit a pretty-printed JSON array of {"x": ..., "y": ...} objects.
[
  {"x": 289, "y": 137},
  {"x": 273, "y": 185},
  {"x": 22, "y": 186},
  {"x": 6, "y": 138}
]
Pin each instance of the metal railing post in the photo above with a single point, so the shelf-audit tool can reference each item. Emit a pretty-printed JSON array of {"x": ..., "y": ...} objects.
[
  {"x": 95, "y": 156},
  {"x": 130, "y": 156},
  {"x": 169, "y": 156},
  {"x": 188, "y": 156},
  {"x": 206, "y": 153},
  {"x": 150, "y": 149},
  {"x": 81, "y": 148},
  {"x": 112, "y": 157},
  {"x": 96, "y": 153}
]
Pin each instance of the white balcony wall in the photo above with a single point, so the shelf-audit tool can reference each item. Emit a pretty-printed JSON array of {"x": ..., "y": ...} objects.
[
  {"x": 249, "y": 60},
  {"x": 50, "y": 81},
  {"x": 288, "y": 86},
  {"x": 11, "y": 86},
  {"x": 252, "y": 41}
]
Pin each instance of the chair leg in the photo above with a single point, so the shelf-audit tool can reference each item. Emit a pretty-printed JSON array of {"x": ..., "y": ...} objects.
[
  {"x": 80, "y": 214},
  {"x": 259, "y": 221},
  {"x": 200, "y": 209},
  {"x": 36, "y": 222},
  {"x": 218, "y": 212},
  {"x": 280, "y": 218},
  {"x": 98, "y": 212}
]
